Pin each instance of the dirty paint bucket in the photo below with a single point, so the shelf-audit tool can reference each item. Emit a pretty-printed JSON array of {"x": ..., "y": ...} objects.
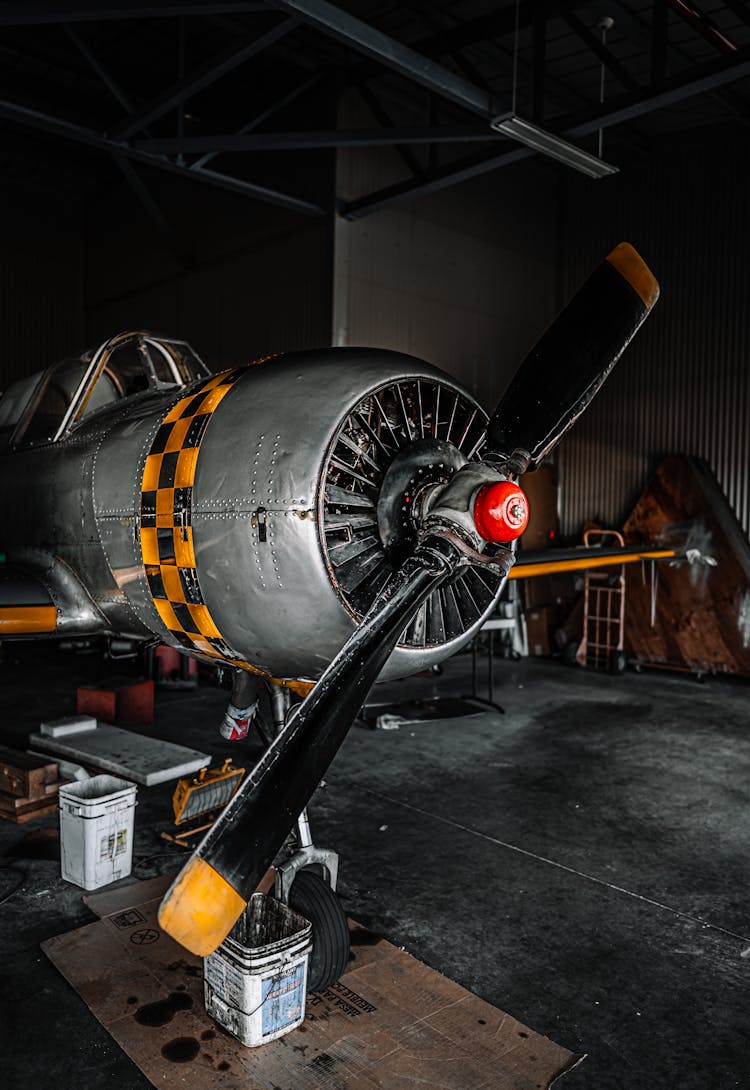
[
  {"x": 96, "y": 830},
  {"x": 255, "y": 982}
]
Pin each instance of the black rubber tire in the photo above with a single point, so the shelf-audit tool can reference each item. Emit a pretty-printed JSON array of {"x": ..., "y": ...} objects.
[{"x": 314, "y": 899}]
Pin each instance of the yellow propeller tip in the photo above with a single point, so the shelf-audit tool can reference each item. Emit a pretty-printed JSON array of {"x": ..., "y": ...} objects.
[
  {"x": 200, "y": 908},
  {"x": 631, "y": 266}
]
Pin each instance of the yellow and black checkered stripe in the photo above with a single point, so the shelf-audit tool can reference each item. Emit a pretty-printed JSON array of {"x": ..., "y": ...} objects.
[
  {"x": 166, "y": 518},
  {"x": 166, "y": 525}
]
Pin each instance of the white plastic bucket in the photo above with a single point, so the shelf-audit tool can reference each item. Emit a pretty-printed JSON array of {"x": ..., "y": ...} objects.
[
  {"x": 255, "y": 983},
  {"x": 96, "y": 830}
]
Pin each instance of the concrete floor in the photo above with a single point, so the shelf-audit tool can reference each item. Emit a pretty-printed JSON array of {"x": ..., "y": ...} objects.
[{"x": 580, "y": 862}]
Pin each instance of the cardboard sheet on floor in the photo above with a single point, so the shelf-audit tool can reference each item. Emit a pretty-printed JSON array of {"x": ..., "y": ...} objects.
[{"x": 390, "y": 1023}]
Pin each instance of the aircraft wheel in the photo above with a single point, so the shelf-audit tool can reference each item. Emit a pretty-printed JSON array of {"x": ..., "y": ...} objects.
[{"x": 314, "y": 899}]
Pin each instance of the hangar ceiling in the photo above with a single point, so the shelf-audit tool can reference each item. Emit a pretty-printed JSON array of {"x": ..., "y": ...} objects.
[{"x": 241, "y": 96}]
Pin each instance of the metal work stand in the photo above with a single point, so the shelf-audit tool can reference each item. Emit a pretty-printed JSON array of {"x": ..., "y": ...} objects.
[
  {"x": 432, "y": 709},
  {"x": 490, "y": 627},
  {"x": 513, "y": 624},
  {"x": 438, "y": 708}
]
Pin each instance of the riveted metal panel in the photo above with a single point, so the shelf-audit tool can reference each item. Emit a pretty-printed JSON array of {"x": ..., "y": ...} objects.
[
  {"x": 270, "y": 593},
  {"x": 118, "y": 455}
]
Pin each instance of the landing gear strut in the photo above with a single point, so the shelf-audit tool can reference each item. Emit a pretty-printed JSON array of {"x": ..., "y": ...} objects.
[{"x": 306, "y": 879}]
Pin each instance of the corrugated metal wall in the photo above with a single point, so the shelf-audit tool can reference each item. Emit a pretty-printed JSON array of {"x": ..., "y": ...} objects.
[
  {"x": 239, "y": 279},
  {"x": 275, "y": 297},
  {"x": 683, "y": 386},
  {"x": 76, "y": 270}
]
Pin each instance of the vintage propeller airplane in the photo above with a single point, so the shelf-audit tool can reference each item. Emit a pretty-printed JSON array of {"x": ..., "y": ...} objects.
[{"x": 313, "y": 520}]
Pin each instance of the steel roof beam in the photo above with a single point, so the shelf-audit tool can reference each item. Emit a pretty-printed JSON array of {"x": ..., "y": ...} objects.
[
  {"x": 448, "y": 175},
  {"x": 495, "y": 24},
  {"x": 381, "y": 115},
  {"x": 498, "y": 24},
  {"x": 133, "y": 179},
  {"x": 426, "y": 11},
  {"x": 740, "y": 10},
  {"x": 704, "y": 26},
  {"x": 67, "y": 130},
  {"x": 647, "y": 38},
  {"x": 713, "y": 75},
  {"x": 487, "y": 29},
  {"x": 35, "y": 13},
  {"x": 150, "y": 206},
  {"x": 94, "y": 63},
  {"x": 330, "y": 138},
  {"x": 607, "y": 58},
  {"x": 339, "y": 24},
  {"x": 199, "y": 79},
  {"x": 279, "y": 104}
]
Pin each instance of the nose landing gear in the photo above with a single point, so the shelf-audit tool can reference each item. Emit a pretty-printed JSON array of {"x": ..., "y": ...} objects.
[{"x": 306, "y": 879}]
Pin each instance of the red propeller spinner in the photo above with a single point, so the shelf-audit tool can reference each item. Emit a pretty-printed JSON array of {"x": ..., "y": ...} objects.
[{"x": 501, "y": 512}]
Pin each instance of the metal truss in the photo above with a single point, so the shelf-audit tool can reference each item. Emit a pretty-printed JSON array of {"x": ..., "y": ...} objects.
[{"x": 463, "y": 92}]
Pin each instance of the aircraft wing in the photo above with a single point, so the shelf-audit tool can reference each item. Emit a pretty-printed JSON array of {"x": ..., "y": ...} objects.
[
  {"x": 548, "y": 561},
  {"x": 26, "y": 606}
]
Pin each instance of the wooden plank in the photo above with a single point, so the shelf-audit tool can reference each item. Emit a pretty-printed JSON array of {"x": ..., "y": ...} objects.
[
  {"x": 17, "y": 803},
  {"x": 702, "y": 613},
  {"x": 25, "y": 775},
  {"x": 18, "y": 810}
]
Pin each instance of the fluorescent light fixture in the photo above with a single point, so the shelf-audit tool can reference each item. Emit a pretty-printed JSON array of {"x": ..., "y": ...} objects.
[{"x": 553, "y": 146}]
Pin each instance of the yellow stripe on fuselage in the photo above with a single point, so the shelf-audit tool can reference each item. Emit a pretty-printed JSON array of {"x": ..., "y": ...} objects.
[
  {"x": 27, "y": 620},
  {"x": 166, "y": 529}
]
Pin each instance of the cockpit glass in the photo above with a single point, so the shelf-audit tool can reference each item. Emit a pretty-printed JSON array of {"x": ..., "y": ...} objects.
[
  {"x": 139, "y": 364},
  {"x": 13, "y": 402},
  {"x": 51, "y": 399},
  {"x": 34, "y": 409},
  {"x": 125, "y": 368}
]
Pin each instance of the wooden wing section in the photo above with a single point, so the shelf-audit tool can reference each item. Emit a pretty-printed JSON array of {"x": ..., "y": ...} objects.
[{"x": 696, "y": 619}]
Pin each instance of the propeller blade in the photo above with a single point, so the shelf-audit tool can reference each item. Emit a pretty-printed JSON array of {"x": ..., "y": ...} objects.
[
  {"x": 563, "y": 372},
  {"x": 213, "y": 889}
]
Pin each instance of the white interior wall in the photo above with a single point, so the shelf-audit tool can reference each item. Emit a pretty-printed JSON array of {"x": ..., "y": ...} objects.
[{"x": 464, "y": 278}]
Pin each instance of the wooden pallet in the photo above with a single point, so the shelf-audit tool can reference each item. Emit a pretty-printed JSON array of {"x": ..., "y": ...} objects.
[
  {"x": 19, "y": 810},
  {"x": 28, "y": 785},
  {"x": 24, "y": 775}
]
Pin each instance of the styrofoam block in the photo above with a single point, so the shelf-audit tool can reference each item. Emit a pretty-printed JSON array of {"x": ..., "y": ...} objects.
[
  {"x": 69, "y": 724},
  {"x": 143, "y": 760},
  {"x": 68, "y": 770}
]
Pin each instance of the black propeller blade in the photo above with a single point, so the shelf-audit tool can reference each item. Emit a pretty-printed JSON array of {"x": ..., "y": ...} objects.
[
  {"x": 213, "y": 889},
  {"x": 563, "y": 372},
  {"x": 551, "y": 389}
]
